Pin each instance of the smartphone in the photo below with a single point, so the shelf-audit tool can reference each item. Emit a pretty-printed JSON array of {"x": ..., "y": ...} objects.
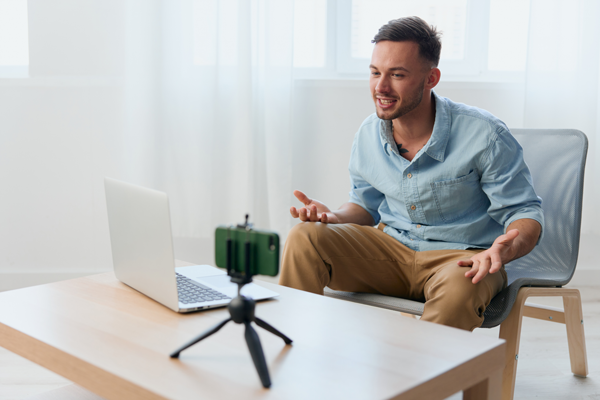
[{"x": 264, "y": 250}]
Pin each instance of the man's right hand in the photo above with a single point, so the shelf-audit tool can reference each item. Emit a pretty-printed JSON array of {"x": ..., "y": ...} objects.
[{"x": 313, "y": 210}]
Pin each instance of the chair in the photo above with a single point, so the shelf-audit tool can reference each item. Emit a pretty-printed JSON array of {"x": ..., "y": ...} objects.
[{"x": 556, "y": 159}]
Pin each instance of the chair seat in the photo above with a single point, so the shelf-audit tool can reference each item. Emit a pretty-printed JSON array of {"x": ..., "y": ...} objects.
[
  {"x": 379, "y": 300},
  {"x": 496, "y": 312}
]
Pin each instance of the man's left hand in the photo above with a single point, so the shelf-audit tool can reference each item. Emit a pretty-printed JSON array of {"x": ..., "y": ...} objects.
[{"x": 491, "y": 260}]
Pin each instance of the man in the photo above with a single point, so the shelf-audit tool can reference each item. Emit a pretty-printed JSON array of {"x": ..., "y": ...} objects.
[{"x": 446, "y": 183}]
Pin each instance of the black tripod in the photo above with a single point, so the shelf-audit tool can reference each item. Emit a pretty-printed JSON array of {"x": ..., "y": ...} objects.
[{"x": 241, "y": 310}]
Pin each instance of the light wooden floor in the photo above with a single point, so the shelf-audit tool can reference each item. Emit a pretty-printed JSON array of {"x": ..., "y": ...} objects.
[{"x": 543, "y": 371}]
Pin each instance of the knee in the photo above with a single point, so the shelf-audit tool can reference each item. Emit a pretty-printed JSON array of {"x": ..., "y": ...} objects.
[
  {"x": 304, "y": 242},
  {"x": 301, "y": 239},
  {"x": 302, "y": 266},
  {"x": 305, "y": 233},
  {"x": 457, "y": 290},
  {"x": 454, "y": 300},
  {"x": 302, "y": 230}
]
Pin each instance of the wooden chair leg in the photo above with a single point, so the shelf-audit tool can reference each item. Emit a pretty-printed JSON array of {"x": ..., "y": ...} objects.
[
  {"x": 510, "y": 330},
  {"x": 572, "y": 317},
  {"x": 575, "y": 334}
]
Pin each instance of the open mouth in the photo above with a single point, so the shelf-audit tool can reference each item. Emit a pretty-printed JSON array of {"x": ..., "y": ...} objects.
[{"x": 386, "y": 103}]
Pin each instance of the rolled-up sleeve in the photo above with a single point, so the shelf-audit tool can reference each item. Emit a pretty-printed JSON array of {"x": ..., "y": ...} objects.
[
  {"x": 506, "y": 180},
  {"x": 362, "y": 192}
]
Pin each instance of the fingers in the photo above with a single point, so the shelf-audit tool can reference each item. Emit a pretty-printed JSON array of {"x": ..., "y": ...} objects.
[
  {"x": 484, "y": 267},
  {"x": 487, "y": 262},
  {"x": 309, "y": 214},
  {"x": 302, "y": 197},
  {"x": 313, "y": 215},
  {"x": 508, "y": 237},
  {"x": 513, "y": 233},
  {"x": 496, "y": 263},
  {"x": 479, "y": 270},
  {"x": 303, "y": 214},
  {"x": 306, "y": 214},
  {"x": 465, "y": 263},
  {"x": 474, "y": 269}
]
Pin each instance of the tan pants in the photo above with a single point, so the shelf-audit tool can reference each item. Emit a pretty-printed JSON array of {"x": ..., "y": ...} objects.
[{"x": 359, "y": 258}]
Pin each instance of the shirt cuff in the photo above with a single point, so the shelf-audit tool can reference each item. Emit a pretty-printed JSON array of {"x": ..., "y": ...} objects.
[{"x": 533, "y": 214}]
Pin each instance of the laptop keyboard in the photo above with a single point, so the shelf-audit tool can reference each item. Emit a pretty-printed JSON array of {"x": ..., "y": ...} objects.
[{"x": 190, "y": 291}]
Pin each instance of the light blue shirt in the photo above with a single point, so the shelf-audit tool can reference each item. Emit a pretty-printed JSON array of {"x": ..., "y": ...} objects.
[{"x": 461, "y": 190}]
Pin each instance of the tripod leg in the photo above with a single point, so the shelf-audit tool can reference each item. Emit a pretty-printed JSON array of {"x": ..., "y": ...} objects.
[
  {"x": 274, "y": 331},
  {"x": 256, "y": 351},
  {"x": 204, "y": 335}
]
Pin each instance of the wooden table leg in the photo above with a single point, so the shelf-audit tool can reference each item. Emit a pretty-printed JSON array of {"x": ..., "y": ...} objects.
[{"x": 488, "y": 389}]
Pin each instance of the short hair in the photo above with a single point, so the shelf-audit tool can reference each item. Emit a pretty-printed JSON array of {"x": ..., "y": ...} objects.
[{"x": 413, "y": 29}]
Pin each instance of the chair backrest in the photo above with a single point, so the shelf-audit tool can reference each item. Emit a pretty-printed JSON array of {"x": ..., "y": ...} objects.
[{"x": 556, "y": 159}]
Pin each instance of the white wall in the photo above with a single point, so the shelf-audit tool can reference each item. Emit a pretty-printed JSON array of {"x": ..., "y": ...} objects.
[{"x": 52, "y": 142}]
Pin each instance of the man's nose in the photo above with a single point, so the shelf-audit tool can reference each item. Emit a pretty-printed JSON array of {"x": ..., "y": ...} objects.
[{"x": 383, "y": 86}]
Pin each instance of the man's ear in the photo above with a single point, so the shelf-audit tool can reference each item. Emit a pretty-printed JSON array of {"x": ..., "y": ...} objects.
[{"x": 433, "y": 78}]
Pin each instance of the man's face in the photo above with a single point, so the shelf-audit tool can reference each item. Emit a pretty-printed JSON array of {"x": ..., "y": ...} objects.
[{"x": 398, "y": 76}]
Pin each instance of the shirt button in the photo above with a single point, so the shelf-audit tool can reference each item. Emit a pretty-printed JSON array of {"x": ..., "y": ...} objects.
[
  {"x": 418, "y": 226},
  {"x": 413, "y": 207},
  {"x": 409, "y": 176}
]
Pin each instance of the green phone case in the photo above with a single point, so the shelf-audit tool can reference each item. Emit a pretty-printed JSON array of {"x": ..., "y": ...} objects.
[{"x": 264, "y": 250}]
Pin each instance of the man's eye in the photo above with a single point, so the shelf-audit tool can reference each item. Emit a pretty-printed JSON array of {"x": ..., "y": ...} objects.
[
  {"x": 374, "y": 73},
  {"x": 398, "y": 76}
]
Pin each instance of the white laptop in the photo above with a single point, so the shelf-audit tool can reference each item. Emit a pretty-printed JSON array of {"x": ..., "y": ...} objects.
[{"x": 143, "y": 258}]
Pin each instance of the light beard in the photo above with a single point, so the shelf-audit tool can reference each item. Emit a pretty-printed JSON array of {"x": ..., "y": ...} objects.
[{"x": 413, "y": 102}]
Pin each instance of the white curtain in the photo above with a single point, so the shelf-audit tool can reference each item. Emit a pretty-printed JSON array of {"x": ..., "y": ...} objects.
[
  {"x": 216, "y": 75},
  {"x": 562, "y": 80}
]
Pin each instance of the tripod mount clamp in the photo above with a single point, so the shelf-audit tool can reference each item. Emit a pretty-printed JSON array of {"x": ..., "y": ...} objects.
[{"x": 241, "y": 278}]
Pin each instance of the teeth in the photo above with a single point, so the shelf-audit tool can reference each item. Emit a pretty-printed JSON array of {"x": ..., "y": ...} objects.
[{"x": 386, "y": 101}]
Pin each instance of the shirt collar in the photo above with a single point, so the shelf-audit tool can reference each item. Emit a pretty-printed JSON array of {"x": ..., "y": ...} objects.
[
  {"x": 387, "y": 136},
  {"x": 436, "y": 145}
]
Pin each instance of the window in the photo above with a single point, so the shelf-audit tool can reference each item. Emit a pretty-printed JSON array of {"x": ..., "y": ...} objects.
[
  {"x": 463, "y": 31},
  {"x": 449, "y": 16},
  {"x": 14, "y": 45},
  {"x": 509, "y": 24},
  {"x": 481, "y": 39}
]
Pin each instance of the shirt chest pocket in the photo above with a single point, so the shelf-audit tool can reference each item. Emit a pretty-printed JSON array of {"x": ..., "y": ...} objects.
[{"x": 455, "y": 198}]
